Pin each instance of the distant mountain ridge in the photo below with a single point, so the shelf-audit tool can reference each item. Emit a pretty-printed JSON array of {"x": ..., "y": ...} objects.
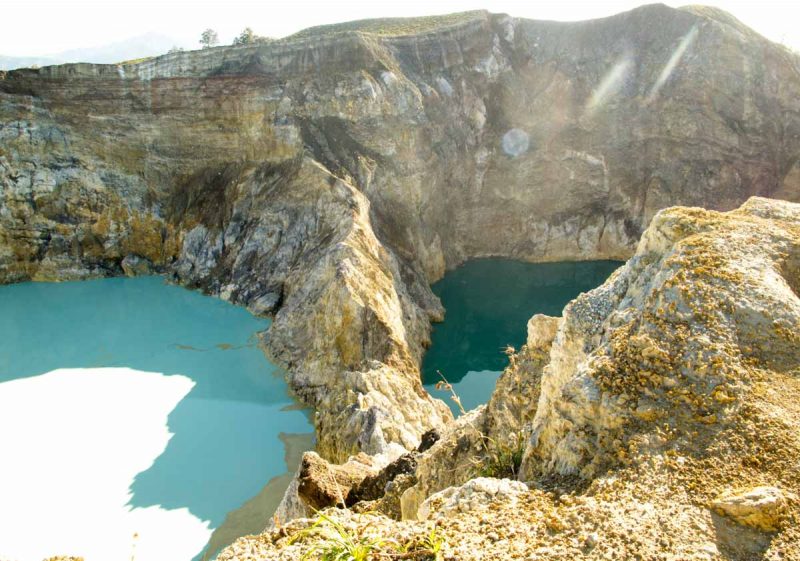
[{"x": 149, "y": 44}]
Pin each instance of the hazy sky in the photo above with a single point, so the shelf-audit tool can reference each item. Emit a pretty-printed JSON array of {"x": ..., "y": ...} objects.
[{"x": 39, "y": 27}]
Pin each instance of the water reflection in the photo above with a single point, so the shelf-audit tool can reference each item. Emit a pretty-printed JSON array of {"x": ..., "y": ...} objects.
[
  {"x": 225, "y": 445},
  {"x": 488, "y": 304}
]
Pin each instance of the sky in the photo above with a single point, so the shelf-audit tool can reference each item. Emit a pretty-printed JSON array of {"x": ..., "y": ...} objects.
[{"x": 41, "y": 27}]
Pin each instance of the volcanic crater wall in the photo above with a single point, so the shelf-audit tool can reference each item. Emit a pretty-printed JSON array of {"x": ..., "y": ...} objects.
[{"x": 328, "y": 179}]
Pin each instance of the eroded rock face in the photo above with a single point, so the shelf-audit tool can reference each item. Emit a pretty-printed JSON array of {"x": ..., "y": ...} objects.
[
  {"x": 667, "y": 393},
  {"x": 670, "y": 351},
  {"x": 453, "y": 460},
  {"x": 329, "y": 178},
  {"x": 512, "y": 405}
]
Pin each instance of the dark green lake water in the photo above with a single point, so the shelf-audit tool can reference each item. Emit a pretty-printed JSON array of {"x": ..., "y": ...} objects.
[
  {"x": 488, "y": 303},
  {"x": 183, "y": 445}
]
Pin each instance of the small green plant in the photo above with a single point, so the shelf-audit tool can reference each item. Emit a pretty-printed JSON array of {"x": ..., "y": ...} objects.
[
  {"x": 434, "y": 543},
  {"x": 341, "y": 544},
  {"x": 429, "y": 547},
  {"x": 501, "y": 459}
]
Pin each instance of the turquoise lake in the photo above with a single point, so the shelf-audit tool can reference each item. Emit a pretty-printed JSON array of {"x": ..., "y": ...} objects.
[
  {"x": 169, "y": 419},
  {"x": 488, "y": 303}
]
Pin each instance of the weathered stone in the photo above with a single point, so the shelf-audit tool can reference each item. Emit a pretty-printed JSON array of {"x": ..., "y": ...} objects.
[
  {"x": 765, "y": 508},
  {"x": 512, "y": 405},
  {"x": 671, "y": 338},
  {"x": 265, "y": 304},
  {"x": 541, "y": 332},
  {"x": 428, "y": 439},
  {"x": 472, "y": 495},
  {"x": 134, "y": 266},
  {"x": 453, "y": 460},
  {"x": 292, "y": 506},
  {"x": 373, "y": 487},
  {"x": 322, "y": 484}
]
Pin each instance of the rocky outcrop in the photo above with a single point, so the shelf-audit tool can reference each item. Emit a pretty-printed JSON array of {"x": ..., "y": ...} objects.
[
  {"x": 328, "y": 178},
  {"x": 453, "y": 460},
  {"x": 374, "y": 486},
  {"x": 667, "y": 426},
  {"x": 471, "y": 496},
  {"x": 321, "y": 484},
  {"x": 509, "y": 409},
  {"x": 671, "y": 350}
]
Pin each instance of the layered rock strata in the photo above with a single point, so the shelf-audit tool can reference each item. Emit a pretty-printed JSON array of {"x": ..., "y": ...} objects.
[{"x": 328, "y": 178}]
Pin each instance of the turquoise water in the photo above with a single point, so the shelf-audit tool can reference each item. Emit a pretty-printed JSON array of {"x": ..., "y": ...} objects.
[
  {"x": 230, "y": 432},
  {"x": 488, "y": 303}
]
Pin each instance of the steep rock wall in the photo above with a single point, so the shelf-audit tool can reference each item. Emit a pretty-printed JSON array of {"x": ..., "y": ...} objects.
[{"x": 329, "y": 178}]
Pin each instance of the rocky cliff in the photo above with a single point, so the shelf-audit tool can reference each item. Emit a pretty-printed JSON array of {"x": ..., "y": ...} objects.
[
  {"x": 667, "y": 424},
  {"x": 328, "y": 178}
]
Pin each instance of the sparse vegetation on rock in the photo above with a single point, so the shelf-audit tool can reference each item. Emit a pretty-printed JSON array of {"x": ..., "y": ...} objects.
[
  {"x": 209, "y": 38},
  {"x": 248, "y": 37}
]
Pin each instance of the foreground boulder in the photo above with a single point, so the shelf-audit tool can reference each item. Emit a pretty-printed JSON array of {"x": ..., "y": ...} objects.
[
  {"x": 321, "y": 484},
  {"x": 765, "y": 508}
]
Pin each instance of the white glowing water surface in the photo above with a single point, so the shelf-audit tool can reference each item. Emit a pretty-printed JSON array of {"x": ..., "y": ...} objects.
[
  {"x": 139, "y": 420},
  {"x": 78, "y": 438}
]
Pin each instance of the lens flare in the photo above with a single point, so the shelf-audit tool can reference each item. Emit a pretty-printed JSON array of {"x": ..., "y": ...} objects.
[
  {"x": 610, "y": 84},
  {"x": 673, "y": 61},
  {"x": 516, "y": 142}
]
